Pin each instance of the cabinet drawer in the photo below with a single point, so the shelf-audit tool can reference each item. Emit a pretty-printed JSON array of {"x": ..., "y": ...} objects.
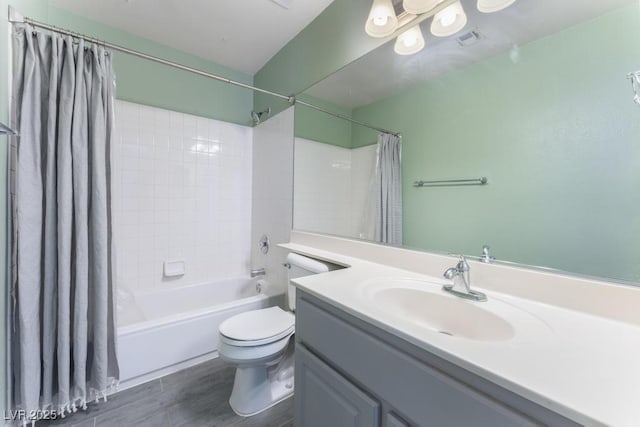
[{"x": 420, "y": 393}]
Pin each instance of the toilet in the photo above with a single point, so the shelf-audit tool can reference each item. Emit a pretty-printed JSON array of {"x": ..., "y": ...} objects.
[{"x": 260, "y": 343}]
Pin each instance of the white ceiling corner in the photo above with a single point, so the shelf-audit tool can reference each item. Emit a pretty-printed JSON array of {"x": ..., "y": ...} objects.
[{"x": 240, "y": 34}]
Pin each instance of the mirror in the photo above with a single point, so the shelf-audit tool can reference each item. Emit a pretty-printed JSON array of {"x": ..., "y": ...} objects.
[{"x": 534, "y": 97}]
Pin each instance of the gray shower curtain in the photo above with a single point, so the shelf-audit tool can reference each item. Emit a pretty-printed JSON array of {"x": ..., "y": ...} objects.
[
  {"x": 64, "y": 351},
  {"x": 388, "y": 190}
]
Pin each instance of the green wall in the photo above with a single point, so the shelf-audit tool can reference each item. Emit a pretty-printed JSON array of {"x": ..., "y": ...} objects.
[
  {"x": 556, "y": 133},
  {"x": 334, "y": 39},
  {"x": 149, "y": 83},
  {"x": 321, "y": 127}
]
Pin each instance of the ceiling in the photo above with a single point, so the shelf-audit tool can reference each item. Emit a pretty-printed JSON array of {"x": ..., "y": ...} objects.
[
  {"x": 382, "y": 73},
  {"x": 240, "y": 34}
]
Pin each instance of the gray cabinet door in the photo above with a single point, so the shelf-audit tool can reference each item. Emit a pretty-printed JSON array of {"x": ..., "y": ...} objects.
[
  {"x": 394, "y": 421},
  {"x": 325, "y": 398}
]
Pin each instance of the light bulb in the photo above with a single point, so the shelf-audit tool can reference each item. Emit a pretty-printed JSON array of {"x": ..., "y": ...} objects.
[
  {"x": 449, "y": 21},
  {"x": 448, "y": 16},
  {"x": 380, "y": 20},
  {"x": 409, "y": 42},
  {"x": 490, "y": 6}
]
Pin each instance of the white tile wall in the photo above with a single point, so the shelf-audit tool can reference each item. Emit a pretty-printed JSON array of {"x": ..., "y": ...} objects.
[
  {"x": 363, "y": 169},
  {"x": 322, "y": 188},
  {"x": 182, "y": 190},
  {"x": 272, "y": 195},
  {"x": 332, "y": 188}
]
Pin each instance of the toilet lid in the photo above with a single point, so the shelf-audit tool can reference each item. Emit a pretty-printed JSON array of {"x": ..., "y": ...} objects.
[{"x": 258, "y": 325}]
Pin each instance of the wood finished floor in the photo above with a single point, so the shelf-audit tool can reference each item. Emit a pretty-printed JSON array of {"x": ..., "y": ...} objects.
[{"x": 198, "y": 396}]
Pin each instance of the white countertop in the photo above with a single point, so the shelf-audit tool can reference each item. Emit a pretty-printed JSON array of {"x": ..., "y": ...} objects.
[{"x": 584, "y": 367}]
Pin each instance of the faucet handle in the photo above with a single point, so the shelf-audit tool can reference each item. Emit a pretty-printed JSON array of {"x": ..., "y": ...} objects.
[
  {"x": 486, "y": 257},
  {"x": 463, "y": 265},
  {"x": 450, "y": 273}
]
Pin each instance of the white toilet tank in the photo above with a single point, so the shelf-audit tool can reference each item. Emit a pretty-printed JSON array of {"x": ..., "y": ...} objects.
[{"x": 300, "y": 266}]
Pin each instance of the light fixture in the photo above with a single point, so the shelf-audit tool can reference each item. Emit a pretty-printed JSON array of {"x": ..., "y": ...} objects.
[
  {"x": 382, "y": 20},
  {"x": 449, "y": 20},
  {"x": 409, "y": 42},
  {"x": 418, "y": 7},
  {"x": 490, "y": 6}
]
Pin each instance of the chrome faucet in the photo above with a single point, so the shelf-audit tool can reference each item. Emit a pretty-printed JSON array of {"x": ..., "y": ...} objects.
[
  {"x": 486, "y": 257},
  {"x": 258, "y": 272},
  {"x": 461, "y": 277}
]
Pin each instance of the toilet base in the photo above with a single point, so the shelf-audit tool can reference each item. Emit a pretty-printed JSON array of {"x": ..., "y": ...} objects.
[{"x": 257, "y": 388}]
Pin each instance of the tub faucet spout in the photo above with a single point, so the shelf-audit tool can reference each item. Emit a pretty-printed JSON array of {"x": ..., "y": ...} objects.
[{"x": 258, "y": 272}]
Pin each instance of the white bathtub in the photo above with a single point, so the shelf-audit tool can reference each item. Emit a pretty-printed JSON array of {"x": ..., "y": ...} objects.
[{"x": 171, "y": 328}]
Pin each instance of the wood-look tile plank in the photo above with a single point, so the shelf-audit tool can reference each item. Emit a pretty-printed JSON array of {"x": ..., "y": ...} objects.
[
  {"x": 273, "y": 417},
  {"x": 204, "y": 403},
  {"x": 87, "y": 423},
  {"x": 195, "y": 397},
  {"x": 115, "y": 403},
  {"x": 158, "y": 418}
]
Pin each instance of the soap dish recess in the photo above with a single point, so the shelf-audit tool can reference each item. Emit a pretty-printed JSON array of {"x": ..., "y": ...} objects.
[{"x": 174, "y": 268}]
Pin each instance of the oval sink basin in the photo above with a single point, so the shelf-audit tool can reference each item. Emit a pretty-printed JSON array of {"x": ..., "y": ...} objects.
[
  {"x": 423, "y": 305},
  {"x": 445, "y": 315}
]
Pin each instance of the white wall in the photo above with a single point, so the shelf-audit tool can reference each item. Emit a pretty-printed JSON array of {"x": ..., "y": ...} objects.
[
  {"x": 363, "y": 169},
  {"x": 272, "y": 207},
  {"x": 182, "y": 190},
  {"x": 332, "y": 189},
  {"x": 322, "y": 188}
]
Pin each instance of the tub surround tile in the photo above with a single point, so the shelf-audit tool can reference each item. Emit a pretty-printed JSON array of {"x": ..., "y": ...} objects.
[
  {"x": 179, "y": 173},
  {"x": 272, "y": 205},
  {"x": 335, "y": 207}
]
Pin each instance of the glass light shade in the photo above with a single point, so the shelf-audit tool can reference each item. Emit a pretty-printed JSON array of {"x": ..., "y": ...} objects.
[
  {"x": 382, "y": 20},
  {"x": 490, "y": 6},
  {"x": 409, "y": 42},
  {"x": 417, "y": 7},
  {"x": 449, "y": 21}
]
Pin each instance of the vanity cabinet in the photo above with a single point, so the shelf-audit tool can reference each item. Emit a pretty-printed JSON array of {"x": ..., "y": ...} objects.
[
  {"x": 330, "y": 399},
  {"x": 351, "y": 373}
]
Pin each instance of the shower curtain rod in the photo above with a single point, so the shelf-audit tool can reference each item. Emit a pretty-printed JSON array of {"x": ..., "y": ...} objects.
[
  {"x": 340, "y": 116},
  {"x": 17, "y": 18}
]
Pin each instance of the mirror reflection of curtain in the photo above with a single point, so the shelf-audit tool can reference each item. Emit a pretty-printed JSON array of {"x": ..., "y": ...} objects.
[
  {"x": 388, "y": 190},
  {"x": 64, "y": 334}
]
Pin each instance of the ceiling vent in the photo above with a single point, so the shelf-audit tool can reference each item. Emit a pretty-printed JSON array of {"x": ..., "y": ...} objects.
[{"x": 470, "y": 38}]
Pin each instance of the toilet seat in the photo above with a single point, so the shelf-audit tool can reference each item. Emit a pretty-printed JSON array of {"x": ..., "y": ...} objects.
[{"x": 257, "y": 327}]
